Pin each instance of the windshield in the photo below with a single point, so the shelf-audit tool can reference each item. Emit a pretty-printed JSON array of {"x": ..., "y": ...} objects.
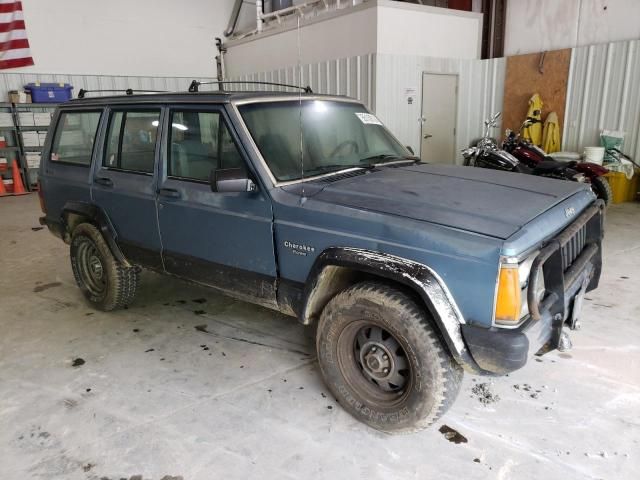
[{"x": 335, "y": 135}]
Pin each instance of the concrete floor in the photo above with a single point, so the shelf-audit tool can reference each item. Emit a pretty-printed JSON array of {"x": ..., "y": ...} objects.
[{"x": 157, "y": 396}]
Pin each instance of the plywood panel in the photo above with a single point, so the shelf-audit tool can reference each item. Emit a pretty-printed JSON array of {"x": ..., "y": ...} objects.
[{"x": 525, "y": 76}]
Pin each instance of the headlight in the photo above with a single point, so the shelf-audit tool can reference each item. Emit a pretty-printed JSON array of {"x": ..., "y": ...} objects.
[
  {"x": 511, "y": 291},
  {"x": 524, "y": 269}
]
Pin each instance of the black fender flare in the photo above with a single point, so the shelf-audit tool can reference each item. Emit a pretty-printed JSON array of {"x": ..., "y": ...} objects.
[
  {"x": 420, "y": 278},
  {"x": 98, "y": 217}
]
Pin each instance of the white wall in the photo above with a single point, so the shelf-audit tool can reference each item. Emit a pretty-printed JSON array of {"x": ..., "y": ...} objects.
[
  {"x": 538, "y": 25},
  {"x": 407, "y": 29},
  {"x": 480, "y": 93},
  {"x": 119, "y": 37},
  {"x": 603, "y": 93},
  {"x": 380, "y": 81},
  {"x": 352, "y": 76},
  {"x": 375, "y": 26},
  {"x": 319, "y": 41}
]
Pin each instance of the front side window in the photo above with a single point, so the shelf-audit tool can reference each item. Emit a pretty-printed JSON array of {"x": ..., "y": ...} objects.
[
  {"x": 74, "y": 138},
  {"x": 200, "y": 143},
  {"x": 313, "y": 137},
  {"x": 131, "y": 140}
]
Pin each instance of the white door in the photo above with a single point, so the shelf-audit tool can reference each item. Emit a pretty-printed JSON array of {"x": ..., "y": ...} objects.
[{"x": 439, "y": 107}]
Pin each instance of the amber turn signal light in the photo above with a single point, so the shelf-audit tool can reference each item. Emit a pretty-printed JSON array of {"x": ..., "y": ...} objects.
[{"x": 508, "y": 297}]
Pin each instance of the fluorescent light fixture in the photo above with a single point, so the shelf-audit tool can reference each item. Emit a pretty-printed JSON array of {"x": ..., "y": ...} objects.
[
  {"x": 320, "y": 106},
  {"x": 179, "y": 126}
]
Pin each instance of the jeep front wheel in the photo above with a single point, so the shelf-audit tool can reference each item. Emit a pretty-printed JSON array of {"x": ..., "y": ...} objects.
[
  {"x": 383, "y": 361},
  {"x": 104, "y": 282}
]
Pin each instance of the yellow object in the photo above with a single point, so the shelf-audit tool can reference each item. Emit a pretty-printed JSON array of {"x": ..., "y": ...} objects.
[
  {"x": 623, "y": 189},
  {"x": 508, "y": 301},
  {"x": 551, "y": 134},
  {"x": 533, "y": 132}
]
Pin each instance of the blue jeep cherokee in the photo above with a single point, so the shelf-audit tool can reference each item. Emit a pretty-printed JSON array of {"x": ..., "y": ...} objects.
[{"x": 308, "y": 205}]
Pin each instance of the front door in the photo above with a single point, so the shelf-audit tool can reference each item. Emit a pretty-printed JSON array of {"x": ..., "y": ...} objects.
[
  {"x": 124, "y": 184},
  {"x": 221, "y": 239},
  {"x": 439, "y": 112}
]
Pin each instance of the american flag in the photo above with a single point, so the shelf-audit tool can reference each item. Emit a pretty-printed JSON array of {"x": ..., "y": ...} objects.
[{"x": 14, "y": 46}]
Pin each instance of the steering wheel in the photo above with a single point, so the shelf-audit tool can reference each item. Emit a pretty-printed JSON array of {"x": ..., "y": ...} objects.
[{"x": 354, "y": 146}]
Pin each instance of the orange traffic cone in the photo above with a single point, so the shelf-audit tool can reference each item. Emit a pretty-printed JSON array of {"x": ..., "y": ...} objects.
[
  {"x": 18, "y": 187},
  {"x": 3, "y": 191}
]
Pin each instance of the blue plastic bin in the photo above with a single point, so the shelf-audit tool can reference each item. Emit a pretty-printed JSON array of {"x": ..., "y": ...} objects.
[{"x": 49, "y": 92}]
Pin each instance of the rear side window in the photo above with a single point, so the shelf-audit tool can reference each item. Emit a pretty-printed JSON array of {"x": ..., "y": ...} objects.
[
  {"x": 74, "y": 137},
  {"x": 131, "y": 140}
]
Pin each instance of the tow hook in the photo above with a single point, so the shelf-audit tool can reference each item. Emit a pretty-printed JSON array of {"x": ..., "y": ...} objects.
[{"x": 565, "y": 342}]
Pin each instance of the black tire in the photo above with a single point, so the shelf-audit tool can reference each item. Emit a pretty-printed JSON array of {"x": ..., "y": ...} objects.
[
  {"x": 370, "y": 326},
  {"x": 105, "y": 283},
  {"x": 602, "y": 189}
]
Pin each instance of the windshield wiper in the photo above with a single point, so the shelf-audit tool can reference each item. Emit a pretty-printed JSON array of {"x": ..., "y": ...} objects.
[
  {"x": 371, "y": 161},
  {"x": 368, "y": 163},
  {"x": 337, "y": 167}
]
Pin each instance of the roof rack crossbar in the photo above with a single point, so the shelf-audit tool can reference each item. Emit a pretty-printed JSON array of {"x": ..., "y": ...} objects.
[
  {"x": 127, "y": 91},
  {"x": 195, "y": 84}
]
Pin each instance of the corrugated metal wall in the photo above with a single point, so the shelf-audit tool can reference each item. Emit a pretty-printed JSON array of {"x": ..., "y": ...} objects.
[
  {"x": 480, "y": 92},
  {"x": 353, "y": 76},
  {"x": 379, "y": 81},
  {"x": 603, "y": 93},
  {"x": 16, "y": 81}
]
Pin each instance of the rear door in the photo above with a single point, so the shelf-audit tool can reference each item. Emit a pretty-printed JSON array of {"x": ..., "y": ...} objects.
[
  {"x": 220, "y": 239},
  {"x": 65, "y": 175},
  {"x": 124, "y": 184}
]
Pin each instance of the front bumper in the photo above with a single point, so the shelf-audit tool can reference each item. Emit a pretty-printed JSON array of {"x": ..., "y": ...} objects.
[{"x": 498, "y": 350}]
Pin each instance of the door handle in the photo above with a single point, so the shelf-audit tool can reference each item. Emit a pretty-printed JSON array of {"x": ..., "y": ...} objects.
[
  {"x": 169, "y": 193},
  {"x": 427, "y": 136},
  {"x": 106, "y": 182}
]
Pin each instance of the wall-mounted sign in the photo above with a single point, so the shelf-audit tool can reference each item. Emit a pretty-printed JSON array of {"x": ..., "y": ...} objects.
[{"x": 410, "y": 95}]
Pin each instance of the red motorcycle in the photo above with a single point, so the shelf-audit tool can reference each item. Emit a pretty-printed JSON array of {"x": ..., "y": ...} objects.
[{"x": 533, "y": 157}]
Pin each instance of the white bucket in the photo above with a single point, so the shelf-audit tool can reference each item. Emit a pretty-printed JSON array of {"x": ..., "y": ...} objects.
[{"x": 594, "y": 154}]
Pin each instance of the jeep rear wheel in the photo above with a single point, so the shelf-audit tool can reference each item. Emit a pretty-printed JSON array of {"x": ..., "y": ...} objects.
[
  {"x": 104, "y": 282},
  {"x": 383, "y": 361}
]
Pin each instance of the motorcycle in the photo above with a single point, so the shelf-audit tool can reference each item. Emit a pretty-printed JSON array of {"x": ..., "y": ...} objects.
[
  {"x": 533, "y": 156},
  {"x": 521, "y": 159}
]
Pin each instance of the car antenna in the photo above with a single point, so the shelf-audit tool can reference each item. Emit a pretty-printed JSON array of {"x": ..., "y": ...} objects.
[{"x": 302, "y": 196}]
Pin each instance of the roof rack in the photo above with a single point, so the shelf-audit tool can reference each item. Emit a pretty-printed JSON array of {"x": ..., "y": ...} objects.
[
  {"x": 128, "y": 91},
  {"x": 195, "y": 84}
]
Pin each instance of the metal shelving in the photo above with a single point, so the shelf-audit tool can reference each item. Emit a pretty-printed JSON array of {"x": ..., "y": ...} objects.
[
  {"x": 31, "y": 171},
  {"x": 12, "y": 150}
]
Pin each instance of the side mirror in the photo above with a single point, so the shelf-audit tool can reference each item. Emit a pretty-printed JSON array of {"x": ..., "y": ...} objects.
[
  {"x": 410, "y": 150},
  {"x": 231, "y": 180}
]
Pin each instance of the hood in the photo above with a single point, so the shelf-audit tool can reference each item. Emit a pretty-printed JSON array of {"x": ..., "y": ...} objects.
[{"x": 478, "y": 200}]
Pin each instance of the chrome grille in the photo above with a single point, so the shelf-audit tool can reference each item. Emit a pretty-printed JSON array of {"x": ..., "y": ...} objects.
[{"x": 573, "y": 247}]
